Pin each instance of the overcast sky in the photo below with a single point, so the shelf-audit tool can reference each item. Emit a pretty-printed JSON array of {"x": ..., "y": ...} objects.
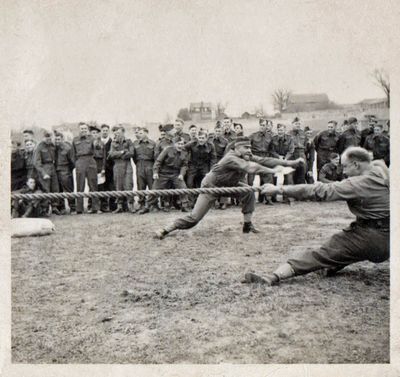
[{"x": 133, "y": 61}]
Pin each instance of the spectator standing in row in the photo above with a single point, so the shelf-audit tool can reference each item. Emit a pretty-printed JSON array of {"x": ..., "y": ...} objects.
[
  {"x": 64, "y": 166},
  {"x": 350, "y": 137},
  {"x": 44, "y": 161},
  {"x": 300, "y": 144},
  {"x": 121, "y": 152},
  {"x": 85, "y": 164},
  {"x": 378, "y": 144},
  {"x": 325, "y": 144},
  {"x": 260, "y": 146},
  {"x": 106, "y": 204},
  {"x": 143, "y": 157}
]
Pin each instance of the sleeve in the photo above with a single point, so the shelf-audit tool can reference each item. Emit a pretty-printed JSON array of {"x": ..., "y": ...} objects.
[
  {"x": 113, "y": 153},
  {"x": 310, "y": 155},
  {"x": 129, "y": 152},
  {"x": 213, "y": 159},
  {"x": 272, "y": 150},
  {"x": 37, "y": 161},
  {"x": 290, "y": 152},
  {"x": 322, "y": 174},
  {"x": 343, "y": 190},
  {"x": 71, "y": 157},
  {"x": 185, "y": 163},
  {"x": 340, "y": 144},
  {"x": 157, "y": 150},
  {"x": 159, "y": 161},
  {"x": 317, "y": 140}
]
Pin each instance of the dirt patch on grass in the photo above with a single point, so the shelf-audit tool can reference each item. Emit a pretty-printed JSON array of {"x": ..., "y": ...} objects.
[{"x": 102, "y": 290}]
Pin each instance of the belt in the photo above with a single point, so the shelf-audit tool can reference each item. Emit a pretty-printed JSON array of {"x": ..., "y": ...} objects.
[{"x": 382, "y": 223}]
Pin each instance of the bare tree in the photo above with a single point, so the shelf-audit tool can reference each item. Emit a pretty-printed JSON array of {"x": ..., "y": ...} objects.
[
  {"x": 281, "y": 99},
  {"x": 381, "y": 79}
]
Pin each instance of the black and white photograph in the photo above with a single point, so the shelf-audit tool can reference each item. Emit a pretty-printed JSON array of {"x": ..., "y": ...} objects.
[{"x": 199, "y": 183}]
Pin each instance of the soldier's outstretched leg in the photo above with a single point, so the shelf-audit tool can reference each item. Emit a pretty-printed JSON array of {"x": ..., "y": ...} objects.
[{"x": 203, "y": 204}]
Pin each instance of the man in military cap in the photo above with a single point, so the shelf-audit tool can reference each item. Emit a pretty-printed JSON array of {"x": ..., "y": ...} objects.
[
  {"x": 44, "y": 161},
  {"x": 121, "y": 153},
  {"x": 178, "y": 126},
  {"x": 230, "y": 171},
  {"x": 378, "y": 144},
  {"x": 300, "y": 144},
  {"x": 326, "y": 143},
  {"x": 85, "y": 164},
  {"x": 332, "y": 171},
  {"x": 350, "y": 137},
  {"x": 168, "y": 172},
  {"x": 166, "y": 140},
  {"x": 143, "y": 157},
  {"x": 366, "y": 192},
  {"x": 64, "y": 166},
  {"x": 28, "y": 135},
  {"x": 193, "y": 132},
  {"x": 260, "y": 146}
]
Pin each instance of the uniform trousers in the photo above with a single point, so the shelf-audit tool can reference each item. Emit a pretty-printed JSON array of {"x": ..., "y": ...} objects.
[
  {"x": 66, "y": 181},
  {"x": 354, "y": 244},
  {"x": 144, "y": 177},
  {"x": 86, "y": 169},
  {"x": 206, "y": 201}
]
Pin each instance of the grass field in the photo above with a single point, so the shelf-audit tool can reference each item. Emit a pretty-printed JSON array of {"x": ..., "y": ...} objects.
[{"x": 102, "y": 290}]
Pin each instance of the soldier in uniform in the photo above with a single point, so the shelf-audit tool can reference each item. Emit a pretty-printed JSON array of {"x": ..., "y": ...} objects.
[
  {"x": 366, "y": 192},
  {"x": 193, "y": 132},
  {"x": 202, "y": 156},
  {"x": 326, "y": 143},
  {"x": 350, "y": 137},
  {"x": 229, "y": 134},
  {"x": 29, "y": 208},
  {"x": 44, "y": 161},
  {"x": 64, "y": 167},
  {"x": 378, "y": 144},
  {"x": 178, "y": 125},
  {"x": 85, "y": 165},
  {"x": 332, "y": 171},
  {"x": 367, "y": 131},
  {"x": 107, "y": 205},
  {"x": 29, "y": 162},
  {"x": 300, "y": 144},
  {"x": 166, "y": 140},
  {"x": 260, "y": 146},
  {"x": 121, "y": 152},
  {"x": 168, "y": 172},
  {"x": 230, "y": 171},
  {"x": 100, "y": 158},
  {"x": 220, "y": 144},
  {"x": 310, "y": 155},
  {"x": 143, "y": 157},
  {"x": 18, "y": 168}
]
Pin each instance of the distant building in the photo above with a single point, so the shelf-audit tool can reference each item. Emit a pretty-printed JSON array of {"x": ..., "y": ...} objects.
[
  {"x": 201, "y": 111},
  {"x": 307, "y": 102},
  {"x": 373, "y": 104}
]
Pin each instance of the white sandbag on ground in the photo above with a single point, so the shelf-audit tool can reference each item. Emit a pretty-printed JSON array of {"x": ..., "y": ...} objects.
[{"x": 29, "y": 227}]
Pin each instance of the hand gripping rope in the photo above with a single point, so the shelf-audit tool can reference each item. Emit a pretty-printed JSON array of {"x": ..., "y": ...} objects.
[{"x": 217, "y": 191}]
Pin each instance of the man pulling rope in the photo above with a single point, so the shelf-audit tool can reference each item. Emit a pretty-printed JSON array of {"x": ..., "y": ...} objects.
[{"x": 231, "y": 171}]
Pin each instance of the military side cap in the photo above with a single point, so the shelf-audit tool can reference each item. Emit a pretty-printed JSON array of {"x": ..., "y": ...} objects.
[
  {"x": 352, "y": 120},
  {"x": 167, "y": 127},
  {"x": 94, "y": 128}
]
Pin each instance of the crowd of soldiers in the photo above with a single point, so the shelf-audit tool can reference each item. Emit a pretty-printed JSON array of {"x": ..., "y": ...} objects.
[{"x": 104, "y": 157}]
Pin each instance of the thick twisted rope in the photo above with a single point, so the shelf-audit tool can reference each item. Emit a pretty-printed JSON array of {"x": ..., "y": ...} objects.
[{"x": 217, "y": 191}]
